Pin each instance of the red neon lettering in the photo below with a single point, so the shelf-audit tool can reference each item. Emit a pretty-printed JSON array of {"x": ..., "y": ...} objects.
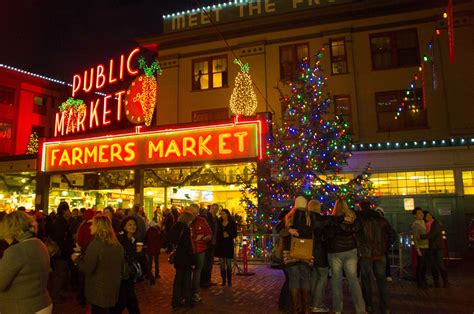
[
  {"x": 173, "y": 149},
  {"x": 152, "y": 148},
  {"x": 76, "y": 155},
  {"x": 88, "y": 88},
  {"x": 122, "y": 60},
  {"x": 112, "y": 79},
  {"x": 115, "y": 150},
  {"x": 129, "y": 59},
  {"x": 100, "y": 77},
  {"x": 76, "y": 84},
  {"x": 106, "y": 112},
  {"x": 202, "y": 145},
  {"x": 80, "y": 123},
  {"x": 119, "y": 104},
  {"x": 53, "y": 156},
  {"x": 59, "y": 124},
  {"x": 240, "y": 136},
  {"x": 65, "y": 158},
  {"x": 189, "y": 144},
  {"x": 222, "y": 143},
  {"x": 88, "y": 154},
  {"x": 130, "y": 149},
  {"x": 94, "y": 115},
  {"x": 102, "y": 152}
]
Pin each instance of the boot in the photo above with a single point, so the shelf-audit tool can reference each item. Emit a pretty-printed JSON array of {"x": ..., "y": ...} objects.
[
  {"x": 295, "y": 298},
  {"x": 223, "y": 277},
  {"x": 305, "y": 301},
  {"x": 229, "y": 277}
]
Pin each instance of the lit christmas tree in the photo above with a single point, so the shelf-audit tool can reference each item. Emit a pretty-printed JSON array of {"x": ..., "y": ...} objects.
[
  {"x": 243, "y": 100},
  {"x": 307, "y": 153},
  {"x": 33, "y": 143}
]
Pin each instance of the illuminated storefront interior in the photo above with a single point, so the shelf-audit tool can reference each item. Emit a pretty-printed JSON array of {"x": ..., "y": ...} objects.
[{"x": 17, "y": 189}]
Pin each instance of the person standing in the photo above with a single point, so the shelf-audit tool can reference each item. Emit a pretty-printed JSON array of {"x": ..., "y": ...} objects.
[
  {"x": 211, "y": 248},
  {"x": 388, "y": 272},
  {"x": 436, "y": 247},
  {"x": 153, "y": 248},
  {"x": 226, "y": 233},
  {"x": 372, "y": 242},
  {"x": 168, "y": 222},
  {"x": 102, "y": 265},
  {"x": 24, "y": 267},
  {"x": 141, "y": 226},
  {"x": 421, "y": 245},
  {"x": 201, "y": 234}
]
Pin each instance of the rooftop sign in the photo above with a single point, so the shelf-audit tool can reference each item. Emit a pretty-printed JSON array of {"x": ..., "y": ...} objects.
[{"x": 237, "y": 10}]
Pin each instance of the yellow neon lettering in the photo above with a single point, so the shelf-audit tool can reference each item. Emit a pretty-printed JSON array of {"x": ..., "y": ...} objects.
[
  {"x": 53, "y": 155},
  {"x": 90, "y": 154},
  {"x": 77, "y": 155},
  {"x": 102, "y": 152},
  {"x": 129, "y": 148},
  {"x": 65, "y": 158},
  {"x": 202, "y": 145},
  {"x": 240, "y": 136},
  {"x": 152, "y": 148},
  {"x": 172, "y": 149},
  {"x": 189, "y": 144},
  {"x": 222, "y": 143},
  {"x": 115, "y": 150}
]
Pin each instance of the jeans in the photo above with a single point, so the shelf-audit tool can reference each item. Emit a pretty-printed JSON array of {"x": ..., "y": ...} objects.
[
  {"x": 299, "y": 276},
  {"x": 207, "y": 268},
  {"x": 156, "y": 260},
  {"x": 225, "y": 264},
  {"x": 197, "y": 271},
  {"x": 319, "y": 280},
  {"x": 182, "y": 287},
  {"x": 378, "y": 268},
  {"x": 421, "y": 268},
  {"x": 347, "y": 261}
]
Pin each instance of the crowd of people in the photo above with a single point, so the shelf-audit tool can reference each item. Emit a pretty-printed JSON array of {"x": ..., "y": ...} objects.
[{"x": 101, "y": 255}]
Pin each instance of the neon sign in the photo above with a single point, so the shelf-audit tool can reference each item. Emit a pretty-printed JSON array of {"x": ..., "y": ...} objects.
[{"x": 239, "y": 140}]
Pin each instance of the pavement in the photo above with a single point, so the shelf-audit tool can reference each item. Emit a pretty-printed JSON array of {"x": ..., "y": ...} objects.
[{"x": 259, "y": 293}]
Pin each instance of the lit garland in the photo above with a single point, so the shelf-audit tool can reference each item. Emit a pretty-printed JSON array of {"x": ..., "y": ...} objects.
[
  {"x": 32, "y": 147},
  {"x": 243, "y": 100},
  {"x": 303, "y": 151},
  {"x": 74, "y": 111},
  {"x": 147, "y": 97}
]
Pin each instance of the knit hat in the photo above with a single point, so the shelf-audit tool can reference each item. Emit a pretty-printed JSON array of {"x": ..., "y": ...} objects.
[{"x": 300, "y": 202}]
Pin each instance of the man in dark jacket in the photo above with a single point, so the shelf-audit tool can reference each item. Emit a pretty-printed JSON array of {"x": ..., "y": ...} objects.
[
  {"x": 211, "y": 217},
  {"x": 372, "y": 241}
]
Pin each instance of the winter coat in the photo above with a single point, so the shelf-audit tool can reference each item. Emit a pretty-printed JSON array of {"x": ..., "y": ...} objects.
[
  {"x": 153, "y": 241},
  {"x": 320, "y": 252},
  {"x": 61, "y": 234},
  {"x": 225, "y": 246},
  {"x": 180, "y": 237},
  {"x": 200, "y": 227},
  {"x": 341, "y": 237},
  {"x": 418, "y": 230},
  {"x": 84, "y": 236},
  {"x": 131, "y": 254},
  {"x": 375, "y": 236},
  {"x": 102, "y": 266},
  {"x": 435, "y": 237}
]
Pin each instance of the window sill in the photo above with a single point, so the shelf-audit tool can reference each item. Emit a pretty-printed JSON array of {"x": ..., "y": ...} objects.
[{"x": 209, "y": 89}]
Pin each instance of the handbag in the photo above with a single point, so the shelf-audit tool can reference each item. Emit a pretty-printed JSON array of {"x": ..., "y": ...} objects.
[
  {"x": 172, "y": 255},
  {"x": 301, "y": 249}
]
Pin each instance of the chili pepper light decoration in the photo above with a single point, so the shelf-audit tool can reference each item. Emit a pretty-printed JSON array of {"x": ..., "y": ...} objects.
[
  {"x": 243, "y": 100},
  {"x": 74, "y": 111}
]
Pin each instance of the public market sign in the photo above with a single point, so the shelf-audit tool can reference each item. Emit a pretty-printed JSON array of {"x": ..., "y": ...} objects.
[
  {"x": 237, "y": 10},
  {"x": 237, "y": 140}
]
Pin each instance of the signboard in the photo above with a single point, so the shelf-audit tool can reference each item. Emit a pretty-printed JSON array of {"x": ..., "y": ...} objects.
[
  {"x": 238, "y": 140},
  {"x": 409, "y": 203},
  {"x": 238, "y": 10}
]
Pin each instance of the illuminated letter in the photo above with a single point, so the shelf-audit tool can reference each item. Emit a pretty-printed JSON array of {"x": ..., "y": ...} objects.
[
  {"x": 193, "y": 20},
  {"x": 188, "y": 146},
  {"x": 93, "y": 114},
  {"x": 129, "y": 59},
  {"x": 80, "y": 123},
  {"x": 105, "y": 120},
  {"x": 112, "y": 79},
  {"x": 222, "y": 149},
  {"x": 115, "y": 151},
  {"x": 59, "y": 124},
  {"x": 53, "y": 155},
  {"x": 65, "y": 158},
  {"x": 173, "y": 148},
  {"x": 204, "y": 18},
  {"x": 241, "y": 10},
  {"x": 122, "y": 60},
  {"x": 76, "y": 84},
  {"x": 119, "y": 104},
  {"x": 152, "y": 148},
  {"x": 178, "y": 22},
  {"x": 70, "y": 119},
  {"x": 88, "y": 88},
  {"x": 296, "y": 2},
  {"x": 218, "y": 11},
  {"x": 76, "y": 155},
  {"x": 102, "y": 149},
  {"x": 90, "y": 154},
  {"x": 129, "y": 148},
  {"x": 240, "y": 136},
  {"x": 100, "y": 77},
  {"x": 202, "y": 145},
  {"x": 269, "y": 6},
  {"x": 257, "y": 6}
]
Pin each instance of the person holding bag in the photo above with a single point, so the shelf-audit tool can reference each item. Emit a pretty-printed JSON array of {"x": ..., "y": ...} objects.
[{"x": 297, "y": 253}]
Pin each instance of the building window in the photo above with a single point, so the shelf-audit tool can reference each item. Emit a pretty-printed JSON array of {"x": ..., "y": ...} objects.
[
  {"x": 211, "y": 115},
  {"x": 5, "y": 130},
  {"x": 468, "y": 182},
  {"x": 342, "y": 106},
  {"x": 39, "y": 105},
  {"x": 416, "y": 182},
  {"x": 210, "y": 73},
  {"x": 412, "y": 117},
  {"x": 338, "y": 56},
  {"x": 39, "y": 130},
  {"x": 290, "y": 57},
  {"x": 7, "y": 96},
  {"x": 394, "y": 49}
]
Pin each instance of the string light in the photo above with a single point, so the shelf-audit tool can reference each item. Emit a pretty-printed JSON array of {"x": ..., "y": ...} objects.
[
  {"x": 33, "y": 144},
  {"x": 243, "y": 100}
]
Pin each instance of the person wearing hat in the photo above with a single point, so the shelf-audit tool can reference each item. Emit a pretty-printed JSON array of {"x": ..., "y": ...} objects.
[{"x": 388, "y": 272}]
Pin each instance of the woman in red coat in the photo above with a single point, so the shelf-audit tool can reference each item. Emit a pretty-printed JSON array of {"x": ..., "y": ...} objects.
[{"x": 153, "y": 248}]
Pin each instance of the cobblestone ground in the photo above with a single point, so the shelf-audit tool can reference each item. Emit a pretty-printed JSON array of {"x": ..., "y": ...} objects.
[{"x": 259, "y": 294}]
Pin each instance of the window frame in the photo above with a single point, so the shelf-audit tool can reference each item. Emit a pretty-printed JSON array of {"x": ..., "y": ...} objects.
[
  {"x": 394, "y": 49},
  {"x": 12, "y": 135},
  {"x": 295, "y": 61},
  {"x": 338, "y": 59},
  {"x": 40, "y": 109},
  {"x": 348, "y": 96},
  {"x": 212, "y": 111},
  {"x": 210, "y": 73}
]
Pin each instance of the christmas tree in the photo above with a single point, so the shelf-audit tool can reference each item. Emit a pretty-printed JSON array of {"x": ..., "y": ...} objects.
[
  {"x": 33, "y": 143},
  {"x": 307, "y": 153}
]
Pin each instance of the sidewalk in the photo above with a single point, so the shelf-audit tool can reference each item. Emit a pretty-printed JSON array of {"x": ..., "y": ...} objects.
[{"x": 259, "y": 294}]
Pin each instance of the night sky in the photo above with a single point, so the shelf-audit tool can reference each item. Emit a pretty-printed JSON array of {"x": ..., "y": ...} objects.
[{"x": 60, "y": 37}]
